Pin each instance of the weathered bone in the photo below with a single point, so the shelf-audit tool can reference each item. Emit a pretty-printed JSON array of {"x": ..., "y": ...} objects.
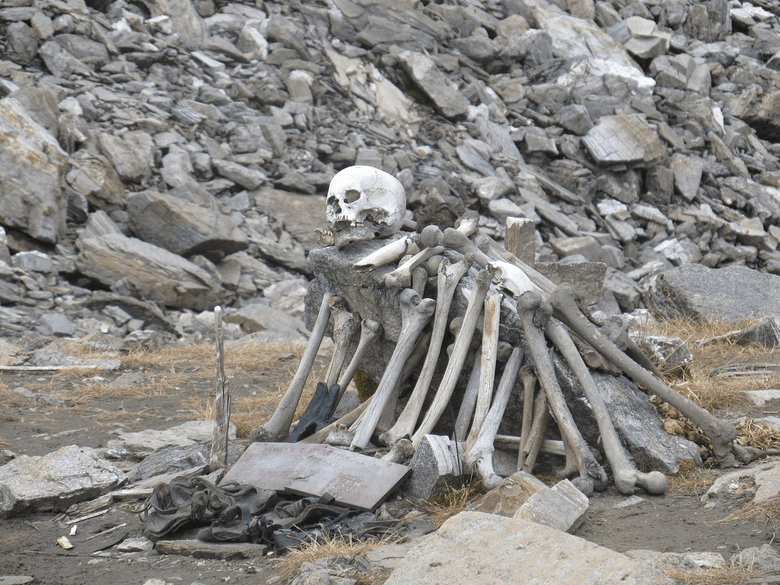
[
  {"x": 528, "y": 378},
  {"x": 469, "y": 401},
  {"x": 278, "y": 427},
  {"x": 592, "y": 475},
  {"x": 470, "y": 395},
  {"x": 512, "y": 278},
  {"x": 432, "y": 236},
  {"x": 720, "y": 433},
  {"x": 448, "y": 279},
  {"x": 533, "y": 445},
  {"x": 345, "y": 325},
  {"x": 402, "y": 451},
  {"x": 388, "y": 253},
  {"x": 626, "y": 476},
  {"x": 495, "y": 251},
  {"x": 489, "y": 356},
  {"x": 415, "y": 314},
  {"x": 419, "y": 280},
  {"x": 480, "y": 454},
  {"x": 388, "y": 417},
  {"x": 458, "y": 356},
  {"x": 370, "y": 331},
  {"x": 401, "y": 277}
]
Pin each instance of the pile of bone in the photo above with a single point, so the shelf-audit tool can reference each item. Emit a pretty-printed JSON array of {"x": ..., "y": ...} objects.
[{"x": 364, "y": 204}]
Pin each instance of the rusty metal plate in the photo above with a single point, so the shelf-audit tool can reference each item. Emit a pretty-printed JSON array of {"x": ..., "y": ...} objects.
[{"x": 354, "y": 480}]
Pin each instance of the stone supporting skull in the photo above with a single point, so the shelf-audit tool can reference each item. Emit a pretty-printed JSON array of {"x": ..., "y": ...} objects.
[{"x": 364, "y": 203}]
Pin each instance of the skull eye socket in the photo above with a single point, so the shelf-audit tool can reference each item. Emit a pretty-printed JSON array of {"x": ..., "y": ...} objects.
[{"x": 351, "y": 195}]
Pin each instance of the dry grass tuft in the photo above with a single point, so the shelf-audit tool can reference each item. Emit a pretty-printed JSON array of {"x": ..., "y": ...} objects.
[
  {"x": 765, "y": 513},
  {"x": 698, "y": 382},
  {"x": 339, "y": 546},
  {"x": 732, "y": 574},
  {"x": 452, "y": 502},
  {"x": 691, "y": 478},
  {"x": 246, "y": 412},
  {"x": 761, "y": 436}
]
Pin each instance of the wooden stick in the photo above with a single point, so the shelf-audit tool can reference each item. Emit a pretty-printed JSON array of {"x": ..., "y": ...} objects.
[{"x": 219, "y": 440}]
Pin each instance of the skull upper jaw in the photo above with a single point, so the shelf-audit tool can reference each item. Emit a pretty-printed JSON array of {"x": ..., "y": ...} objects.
[{"x": 347, "y": 232}]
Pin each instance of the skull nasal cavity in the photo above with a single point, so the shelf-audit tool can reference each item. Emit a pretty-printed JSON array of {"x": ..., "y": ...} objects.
[{"x": 351, "y": 195}]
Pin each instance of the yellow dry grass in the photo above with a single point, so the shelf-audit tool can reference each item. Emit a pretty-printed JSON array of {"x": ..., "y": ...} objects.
[
  {"x": 309, "y": 552},
  {"x": 174, "y": 369},
  {"x": 765, "y": 513},
  {"x": 732, "y": 574},
  {"x": 761, "y": 436},
  {"x": 453, "y": 501},
  {"x": 691, "y": 479},
  {"x": 698, "y": 382}
]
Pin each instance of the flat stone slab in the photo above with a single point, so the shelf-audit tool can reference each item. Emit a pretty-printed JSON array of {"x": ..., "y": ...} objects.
[
  {"x": 55, "y": 481},
  {"x": 764, "y": 478},
  {"x": 561, "y": 507},
  {"x": 354, "y": 480},
  {"x": 484, "y": 549},
  {"x": 761, "y": 397},
  {"x": 183, "y": 435},
  {"x": 707, "y": 294}
]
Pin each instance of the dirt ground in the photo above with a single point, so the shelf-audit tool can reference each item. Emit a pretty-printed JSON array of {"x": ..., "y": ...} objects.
[{"x": 169, "y": 387}]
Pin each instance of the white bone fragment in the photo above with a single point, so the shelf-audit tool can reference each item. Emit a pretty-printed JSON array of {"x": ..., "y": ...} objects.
[
  {"x": 278, "y": 427},
  {"x": 625, "y": 474},
  {"x": 345, "y": 325},
  {"x": 479, "y": 454},
  {"x": 458, "y": 356},
  {"x": 401, "y": 277},
  {"x": 415, "y": 314},
  {"x": 370, "y": 331},
  {"x": 592, "y": 475},
  {"x": 489, "y": 356},
  {"x": 448, "y": 279},
  {"x": 388, "y": 254}
]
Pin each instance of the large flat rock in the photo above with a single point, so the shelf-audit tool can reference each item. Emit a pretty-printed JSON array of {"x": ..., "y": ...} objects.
[
  {"x": 484, "y": 549},
  {"x": 731, "y": 294},
  {"x": 55, "y": 481}
]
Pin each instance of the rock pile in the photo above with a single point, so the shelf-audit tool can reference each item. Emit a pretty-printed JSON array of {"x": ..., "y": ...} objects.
[{"x": 164, "y": 156}]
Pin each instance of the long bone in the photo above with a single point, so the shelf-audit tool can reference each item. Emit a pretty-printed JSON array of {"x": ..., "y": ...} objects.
[
  {"x": 370, "y": 331},
  {"x": 470, "y": 394},
  {"x": 480, "y": 454},
  {"x": 469, "y": 401},
  {"x": 419, "y": 280},
  {"x": 515, "y": 279},
  {"x": 533, "y": 316},
  {"x": 388, "y": 417},
  {"x": 447, "y": 282},
  {"x": 496, "y": 252},
  {"x": 401, "y": 277},
  {"x": 388, "y": 253},
  {"x": 278, "y": 427},
  {"x": 415, "y": 314},
  {"x": 528, "y": 378},
  {"x": 535, "y": 439},
  {"x": 345, "y": 325},
  {"x": 720, "y": 433},
  {"x": 489, "y": 357},
  {"x": 626, "y": 476},
  {"x": 457, "y": 357}
]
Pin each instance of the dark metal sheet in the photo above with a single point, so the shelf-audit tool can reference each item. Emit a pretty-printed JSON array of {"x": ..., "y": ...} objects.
[{"x": 354, "y": 480}]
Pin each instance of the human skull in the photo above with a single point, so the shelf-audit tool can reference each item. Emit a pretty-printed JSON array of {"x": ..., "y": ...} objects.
[{"x": 364, "y": 203}]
